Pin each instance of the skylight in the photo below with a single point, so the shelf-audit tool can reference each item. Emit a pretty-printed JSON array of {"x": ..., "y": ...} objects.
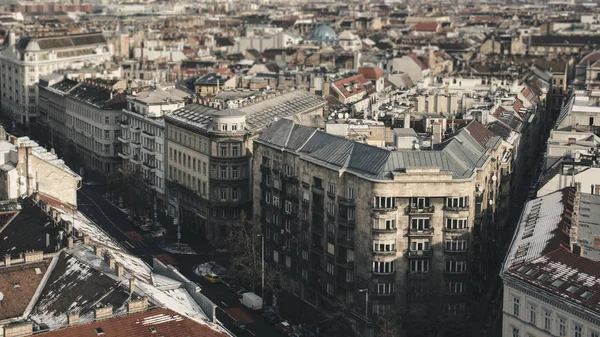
[
  {"x": 572, "y": 288},
  {"x": 558, "y": 283},
  {"x": 543, "y": 277},
  {"x": 587, "y": 294}
]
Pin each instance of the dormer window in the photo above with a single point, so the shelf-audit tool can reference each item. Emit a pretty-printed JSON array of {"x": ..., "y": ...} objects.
[
  {"x": 223, "y": 127},
  {"x": 233, "y": 127}
]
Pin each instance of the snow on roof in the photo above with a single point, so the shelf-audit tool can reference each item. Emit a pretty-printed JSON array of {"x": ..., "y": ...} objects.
[
  {"x": 86, "y": 226},
  {"x": 178, "y": 300}
]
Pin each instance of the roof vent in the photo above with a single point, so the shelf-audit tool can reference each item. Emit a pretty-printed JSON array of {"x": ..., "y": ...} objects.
[
  {"x": 99, "y": 331},
  {"x": 152, "y": 329}
]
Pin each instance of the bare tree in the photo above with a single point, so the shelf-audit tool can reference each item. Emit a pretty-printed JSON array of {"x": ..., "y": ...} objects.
[
  {"x": 388, "y": 326},
  {"x": 336, "y": 322},
  {"x": 129, "y": 185},
  {"x": 242, "y": 243}
]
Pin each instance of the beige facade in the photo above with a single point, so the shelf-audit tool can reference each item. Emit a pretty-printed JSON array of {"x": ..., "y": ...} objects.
[{"x": 402, "y": 234}]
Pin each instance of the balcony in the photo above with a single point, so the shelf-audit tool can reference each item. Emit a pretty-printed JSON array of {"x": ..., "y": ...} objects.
[
  {"x": 349, "y": 223},
  {"x": 348, "y": 264},
  {"x": 416, "y": 210},
  {"x": 265, "y": 167},
  {"x": 456, "y": 252},
  {"x": 420, "y": 231},
  {"x": 383, "y": 295},
  {"x": 135, "y": 144},
  {"x": 149, "y": 166},
  {"x": 148, "y": 149},
  {"x": 416, "y": 275},
  {"x": 456, "y": 209},
  {"x": 148, "y": 135},
  {"x": 384, "y": 230},
  {"x": 384, "y": 209},
  {"x": 346, "y": 201},
  {"x": 291, "y": 179},
  {"x": 316, "y": 208},
  {"x": 123, "y": 140},
  {"x": 318, "y": 190},
  {"x": 420, "y": 253},
  {"x": 456, "y": 230},
  {"x": 345, "y": 241},
  {"x": 124, "y": 155},
  {"x": 384, "y": 252},
  {"x": 390, "y": 273},
  {"x": 124, "y": 123},
  {"x": 305, "y": 184},
  {"x": 135, "y": 130},
  {"x": 345, "y": 284},
  {"x": 136, "y": 159},
  {"x": 331, "y": 194}
]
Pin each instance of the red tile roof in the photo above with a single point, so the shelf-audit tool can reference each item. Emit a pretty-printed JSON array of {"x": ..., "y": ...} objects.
[
  {"x": 425, "y": 27},
  {"x": 371, "y": 73},
  {"x": 164, "y": 322},
  {"x": 351, "y": 86},
  {"x": 480, "y": 133},
  {"x": 421, "y": 62}
]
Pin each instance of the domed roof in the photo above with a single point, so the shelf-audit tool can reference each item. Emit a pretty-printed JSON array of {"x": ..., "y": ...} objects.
[
  {"x": 324, "y": 33},
  {"x": 591, "y": 58}
]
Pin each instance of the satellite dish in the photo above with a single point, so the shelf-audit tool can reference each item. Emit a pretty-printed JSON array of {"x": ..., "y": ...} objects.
[
  {"x": 1, "y": 296},
  {"x": 346, "y": 115},
  {"x": 340, "y": 115}
]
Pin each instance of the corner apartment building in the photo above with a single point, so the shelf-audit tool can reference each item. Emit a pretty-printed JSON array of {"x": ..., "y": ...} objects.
[
  {"x": 210, "y": 157},
  {"x": 143, "y": 134},
  {"x": 415, "y": 229},
  {"x": 551, "y": 274},
  {"x": 25, "y": 60}
]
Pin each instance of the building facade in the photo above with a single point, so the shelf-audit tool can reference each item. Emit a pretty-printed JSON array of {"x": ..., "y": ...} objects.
[
  {"x": 210, "y": 157},
  {"x": 414, "y": 229},
  {"x": 25, "y": 60},
  {"x": 142, "y": 135}
]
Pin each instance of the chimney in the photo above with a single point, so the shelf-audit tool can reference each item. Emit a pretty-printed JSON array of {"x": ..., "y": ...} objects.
[
  {"x": 72, "y": 318},
  {"x": 86, "y": 239},
  {"x": 136, "y": 306},
  {"x": 103, "y": 312},
  {"x": 98, "y": 250},
  {"x": 110, "y": 260},
  {"x": 47, "y": 240},
  {"x": 7, "y": 260},
  {"x": 120, "y": 269},
  {"x": 70, "y": 242},
  {"x": 131, "y": 285},
  {"x": 18, "y": 329},
  {"x": 34, "y": 256}
]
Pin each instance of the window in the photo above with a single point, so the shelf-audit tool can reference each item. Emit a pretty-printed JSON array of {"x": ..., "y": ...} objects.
[
  {"x": 419, "y": 245},
  {"x": 562, "y": 327},
  {"x": 268, "y": 197},
  {"x": 351, "y": 213},
  {"x": 532, "y": 314},
  {"x": 330, "y": 268},
  {"x": 456, "y": 245},
  {"x": 384, "y": 246},
  {"x": 276, "y": 201},
  {"x": 106, "y": 120},
  {"x": 383, "y": 288},
  {"x": 331, "y": 188},
  {"x": 350, "y": 193},
  {"x": 460, "y": 202},
  {"x": 234, "y": 193},
  {"x": 289, "y": 170},
  {"x": 578, "y": 331},
  {"x": 383, "y": 224},
  {"x": 331, "y": 208},
  {"x": 223, "y": 150},
  {"x": 385, "y": 202},
  {"x": 456, "y": 223},
  {"x": 515, "y": 332},
  {"x": 288, "y": 207},
  {"x": 223, "y": 171},
  {"x": 419, "y": 266},
  {"x": 516, "y": 306},
  {"x": 456, "y": 266},
  {"x": 235, "y": 150},
  {"x": 223, "y": 127},
  {"x": 594, "y": 334},
  {"x": 455, "y": 287},
  {"x": 420, "y": 224},
  {"x": 330, "y": 288},
  {"x": 233, "y": 127},
  {"x": 547, "y": 320},
  {"x": 204, "y": 168},
  {"x": 384, "y": 267},
  {"x": 420, "y": 203},
  {"x": 106, "y": 134}
]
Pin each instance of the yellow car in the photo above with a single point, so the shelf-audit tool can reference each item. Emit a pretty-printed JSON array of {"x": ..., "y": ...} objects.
[{"x": 211, "y": 277}]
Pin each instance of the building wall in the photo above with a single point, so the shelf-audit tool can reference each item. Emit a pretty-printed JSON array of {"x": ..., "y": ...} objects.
[
  {"x": 317, "y": 232},
  {"x": 20, "y": 77},
  {"x": 519, "y": 323}
]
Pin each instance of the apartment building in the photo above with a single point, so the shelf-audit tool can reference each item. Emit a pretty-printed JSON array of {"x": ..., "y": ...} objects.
[
  {"x": 551, "y": 274},
  {"x": 25, "y": 60},
  {"x": 143, "y": 134},
  {"x": 347, "y": 218},
  {"x": 210, "y": 157}
]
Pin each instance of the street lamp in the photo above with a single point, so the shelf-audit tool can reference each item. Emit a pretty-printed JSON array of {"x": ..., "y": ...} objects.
[
  {"x": 262, "y": 294},
  {"x": 366, "y": 291}
]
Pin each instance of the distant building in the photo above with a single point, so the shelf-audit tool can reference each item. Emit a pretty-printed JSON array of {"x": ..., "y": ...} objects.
[{"x": 25, "y": 60}]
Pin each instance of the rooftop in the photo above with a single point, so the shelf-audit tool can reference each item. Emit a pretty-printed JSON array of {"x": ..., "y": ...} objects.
[
  {"x": 18, "y": 285},
  {"x": 54, "y": 42},
  {"x": 588, "y": 225},
  {"x": 150, "y": 323}
]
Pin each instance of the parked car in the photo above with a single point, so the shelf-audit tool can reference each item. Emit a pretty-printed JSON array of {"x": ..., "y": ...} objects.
[
  {"x": 241, "y": 292},
  {"x": 271, "y": 317},
  {"x": 239, "y": 326},
  {"x": 211, "y": 277},
  {"x": 284, "y": 327},
  {"x": 251, "y": 301}
]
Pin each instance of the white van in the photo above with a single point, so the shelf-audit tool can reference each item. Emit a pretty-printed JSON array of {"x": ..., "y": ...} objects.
[{"x": 251, "y": 301}]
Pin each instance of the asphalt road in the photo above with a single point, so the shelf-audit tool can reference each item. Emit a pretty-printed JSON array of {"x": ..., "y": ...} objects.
[{"x": 115, "y": 223}]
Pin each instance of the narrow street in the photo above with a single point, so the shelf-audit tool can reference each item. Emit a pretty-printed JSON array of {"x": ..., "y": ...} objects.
[{"x": 115, "y": 223}]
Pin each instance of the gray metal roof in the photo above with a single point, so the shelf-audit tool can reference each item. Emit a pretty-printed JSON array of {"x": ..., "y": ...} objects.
[
  {"x": 461, "y": 155},
  {"x": 588, "y": 224}
]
